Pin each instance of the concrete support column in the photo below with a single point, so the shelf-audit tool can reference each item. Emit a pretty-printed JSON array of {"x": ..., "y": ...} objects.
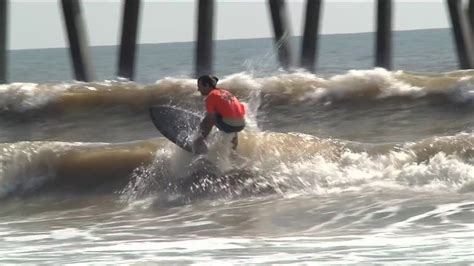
[
  {"x": 3, "y": 40},
  {"x": 204, "y": 47},
  {"x": 462, "y": 34},
  {"x": 281, "y": 32},
  {"x": 383, "y": 51},
  {"x": 310, "y": 35},
  {"x": 127, "y": 53},
  {"x": 78, "y": 45}
]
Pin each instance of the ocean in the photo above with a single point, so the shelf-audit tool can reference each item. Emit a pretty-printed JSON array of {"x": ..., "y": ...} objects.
[{"x": 353, "y": 164}]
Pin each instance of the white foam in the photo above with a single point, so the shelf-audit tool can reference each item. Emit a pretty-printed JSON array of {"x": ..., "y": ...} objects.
[
  {"x": 31, "y": 237},
  {"x": 371, "y": 84},
  {"x": 292, "y": 87},
  {"x": 26, "y": 165},
  {"x": 301, "y": 86},
  {"x": 463, "y": 91},
  {"x": 66, "y": 233},
  {"x": 177, "y": 85},
  {"x": 27, "y": 96},
  {"x": 190, "y": 245},
  {"x": 355, "y": 171}
]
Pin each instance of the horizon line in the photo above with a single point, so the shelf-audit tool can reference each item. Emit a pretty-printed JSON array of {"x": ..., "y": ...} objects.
[{"x": 236, "y": 39}]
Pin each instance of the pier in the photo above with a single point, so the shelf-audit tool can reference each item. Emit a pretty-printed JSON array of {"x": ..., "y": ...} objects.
[
  {"x": 461, "y": 15},
  {"x": 3, "y": 40}
]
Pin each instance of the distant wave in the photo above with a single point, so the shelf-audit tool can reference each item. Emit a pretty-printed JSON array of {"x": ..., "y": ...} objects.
[
  {"x": 279, "y": 161},
  {"x": 291, "y": 88}
]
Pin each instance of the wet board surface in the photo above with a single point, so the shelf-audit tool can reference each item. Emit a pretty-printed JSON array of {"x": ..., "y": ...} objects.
[{"x": 176, "y": 124}]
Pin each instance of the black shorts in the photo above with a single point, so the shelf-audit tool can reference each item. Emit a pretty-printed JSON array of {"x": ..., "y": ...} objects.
[{"x": 226, "y": 128}]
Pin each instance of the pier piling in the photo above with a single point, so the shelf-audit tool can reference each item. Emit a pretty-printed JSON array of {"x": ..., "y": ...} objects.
[
  {"x": 3, "y": 40},
  {"x": 310, "y": 35},
  {"x": 470, "y": 16},
  {"x": 126, "y": 65},
  {"x": 281, "y": 32},
  {"x": 78, "y": 45},
  {"x": 461, "y": 15},
  {"x": 383, "y": 50},
  {"x": 462, "y": 34},
  {"x": 204, "y": 46}
]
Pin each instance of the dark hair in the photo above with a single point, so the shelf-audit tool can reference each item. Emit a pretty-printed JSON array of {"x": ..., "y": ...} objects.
[{"x": 208, "y": 80}]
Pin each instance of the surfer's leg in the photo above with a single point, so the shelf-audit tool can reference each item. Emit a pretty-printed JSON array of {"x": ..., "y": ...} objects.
[{"x": 235, "y": 141}]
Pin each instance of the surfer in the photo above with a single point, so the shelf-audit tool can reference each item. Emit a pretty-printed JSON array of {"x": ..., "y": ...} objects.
[{"x": 223, "y": 110}]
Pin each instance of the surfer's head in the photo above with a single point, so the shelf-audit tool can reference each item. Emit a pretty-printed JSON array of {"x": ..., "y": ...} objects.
[{"x": 206, "y": 83}]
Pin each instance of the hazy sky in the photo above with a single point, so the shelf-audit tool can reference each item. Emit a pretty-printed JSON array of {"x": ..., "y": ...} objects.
[{"x": 38, "y": 24}]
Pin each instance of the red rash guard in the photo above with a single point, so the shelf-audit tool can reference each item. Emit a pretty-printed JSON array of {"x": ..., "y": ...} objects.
[{"x": 225, "y": 104}]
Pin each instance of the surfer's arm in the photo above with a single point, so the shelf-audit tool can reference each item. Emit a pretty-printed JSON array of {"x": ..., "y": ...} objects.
[
  {"x": 199, "y": 147},
  {"x": 206, "y": 125}
]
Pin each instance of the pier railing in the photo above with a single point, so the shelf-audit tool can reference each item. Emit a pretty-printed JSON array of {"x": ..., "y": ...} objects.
[{"x": 461, "y": 17}]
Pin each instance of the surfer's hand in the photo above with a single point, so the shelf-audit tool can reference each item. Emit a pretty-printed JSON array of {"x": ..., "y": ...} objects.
[{"x": 199, "y": 146}]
